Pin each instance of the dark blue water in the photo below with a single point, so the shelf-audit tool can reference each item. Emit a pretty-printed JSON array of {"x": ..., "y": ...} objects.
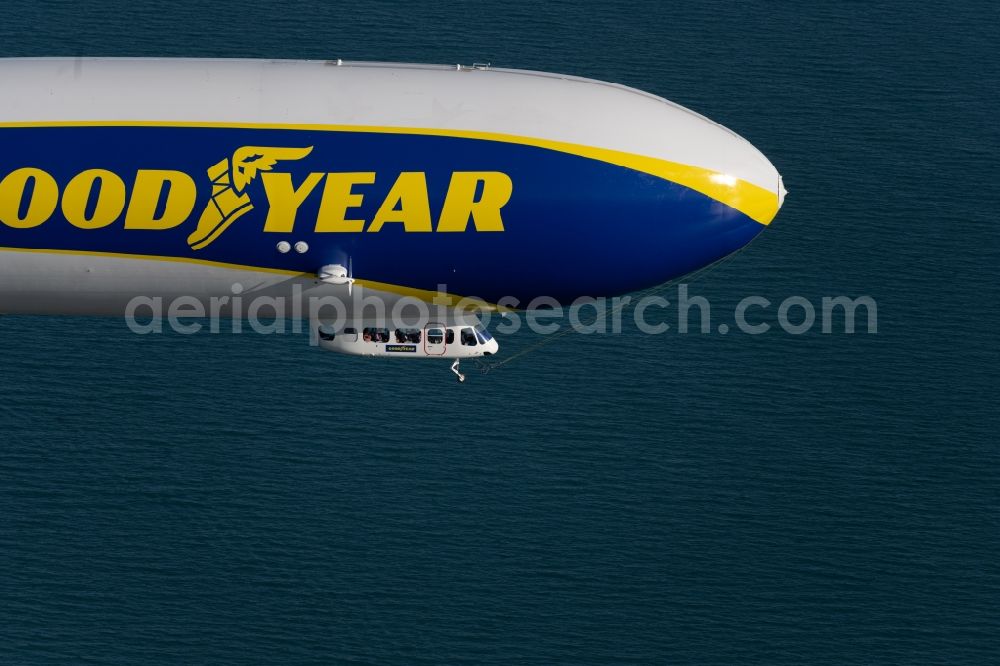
[{"x": 609, "y": 499}]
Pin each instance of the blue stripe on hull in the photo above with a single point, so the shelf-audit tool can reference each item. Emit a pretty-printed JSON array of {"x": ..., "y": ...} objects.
[{"x": 573, "y": 226}]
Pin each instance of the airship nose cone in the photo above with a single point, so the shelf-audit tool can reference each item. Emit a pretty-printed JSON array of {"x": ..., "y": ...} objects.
[
  {"x": 709, "y": 158},
  {"x": 741, "y": 177},
  {"x": 744, "y": 188},
  {"x": 712, "y": 209}
]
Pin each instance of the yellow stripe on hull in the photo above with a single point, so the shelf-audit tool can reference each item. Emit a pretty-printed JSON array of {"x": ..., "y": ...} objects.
[{"x": 757, "y": 203}]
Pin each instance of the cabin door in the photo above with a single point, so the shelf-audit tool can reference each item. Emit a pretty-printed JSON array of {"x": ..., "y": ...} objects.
[{"x": 434, "y": 343}]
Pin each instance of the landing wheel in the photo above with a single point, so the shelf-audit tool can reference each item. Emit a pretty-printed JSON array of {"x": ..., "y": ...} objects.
[{"x": 454, "y": 368}]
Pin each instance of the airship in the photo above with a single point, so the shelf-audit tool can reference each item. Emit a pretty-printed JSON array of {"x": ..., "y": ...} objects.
[{"x": 199, "y": 179}]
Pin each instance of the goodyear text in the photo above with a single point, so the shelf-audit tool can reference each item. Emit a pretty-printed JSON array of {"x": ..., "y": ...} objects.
[{"x": 160, "y": 199}]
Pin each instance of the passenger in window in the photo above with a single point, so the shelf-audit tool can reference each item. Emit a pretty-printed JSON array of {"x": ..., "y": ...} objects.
[
  {"x": 368, "y": 335},
  {"x": 468, "y": 337}
]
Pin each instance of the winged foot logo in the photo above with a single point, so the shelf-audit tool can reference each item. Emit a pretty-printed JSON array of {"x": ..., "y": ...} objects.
[{"x": 230, "y": 178}]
